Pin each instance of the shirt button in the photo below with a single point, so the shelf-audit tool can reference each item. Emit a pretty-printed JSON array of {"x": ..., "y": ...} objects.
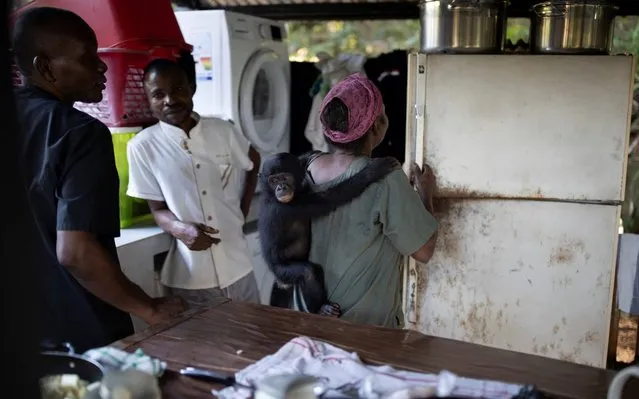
[
  {"x": 210, "y": 218},
  {"x": 197, "y": 166},
  {"x": 203, "y": 192}
]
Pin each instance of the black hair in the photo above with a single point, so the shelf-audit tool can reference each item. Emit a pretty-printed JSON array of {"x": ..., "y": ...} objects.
[
  {"x": 34, "y": 26},
  {"x": 184, "y": 63},
  {"x": 187, "y": 63},
  {"x": 335, "y": 117},
  {"x": 161, "y": 65}
]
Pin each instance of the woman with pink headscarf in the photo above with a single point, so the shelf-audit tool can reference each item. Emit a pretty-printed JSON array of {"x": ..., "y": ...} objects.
[{"x": 360, "y": 245}]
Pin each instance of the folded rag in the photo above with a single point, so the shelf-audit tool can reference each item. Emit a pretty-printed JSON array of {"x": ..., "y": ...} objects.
[
  {"x": 117, "y": 359},
  {"x": 343, "y": 370}
]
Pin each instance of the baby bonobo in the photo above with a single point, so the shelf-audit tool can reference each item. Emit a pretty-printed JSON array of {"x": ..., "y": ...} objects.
[{"x": 287, "y": 207}]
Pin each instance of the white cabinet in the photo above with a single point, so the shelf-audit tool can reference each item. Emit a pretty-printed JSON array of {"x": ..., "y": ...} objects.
[
  {"x": 528, "y": 126},
  {"x": 531, "y": 276},
  {"x": 530, "y": 157},
  {"x": 137, "y": 248}
]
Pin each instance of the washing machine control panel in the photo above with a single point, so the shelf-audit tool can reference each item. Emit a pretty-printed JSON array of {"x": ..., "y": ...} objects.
[{"x": 271, "y": 32}]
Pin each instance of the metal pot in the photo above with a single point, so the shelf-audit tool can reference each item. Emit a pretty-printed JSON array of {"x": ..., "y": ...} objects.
[
  {"x": 63, "y": 360},
  {"x": 617, "y": 384},
  {"x": 463, "y": 26},
  {"x": 572, "y": 27}
]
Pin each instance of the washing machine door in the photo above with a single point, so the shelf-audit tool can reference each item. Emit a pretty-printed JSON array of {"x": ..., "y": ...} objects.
[{"x": 264, "y": 100}]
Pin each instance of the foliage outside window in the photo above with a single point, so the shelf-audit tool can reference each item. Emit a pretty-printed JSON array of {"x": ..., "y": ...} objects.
[{"x": 307, "y": 39}]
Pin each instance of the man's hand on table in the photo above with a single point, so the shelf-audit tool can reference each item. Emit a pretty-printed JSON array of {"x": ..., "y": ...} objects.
[{"x": 164, "y": 309}]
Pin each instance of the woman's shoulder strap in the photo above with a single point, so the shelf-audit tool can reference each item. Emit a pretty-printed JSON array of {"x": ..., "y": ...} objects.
[{"x": 308, "y": 157}]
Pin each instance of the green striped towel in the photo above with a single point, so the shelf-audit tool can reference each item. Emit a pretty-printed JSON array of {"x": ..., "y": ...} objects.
[{"x": 116, "y": 359}]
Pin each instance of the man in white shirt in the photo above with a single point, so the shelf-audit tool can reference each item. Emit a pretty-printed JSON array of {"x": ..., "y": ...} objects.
[{"x": 195, "y": 173}]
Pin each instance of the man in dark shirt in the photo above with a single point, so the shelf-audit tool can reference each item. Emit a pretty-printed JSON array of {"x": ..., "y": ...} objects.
[{"x": 72, "y": 184}]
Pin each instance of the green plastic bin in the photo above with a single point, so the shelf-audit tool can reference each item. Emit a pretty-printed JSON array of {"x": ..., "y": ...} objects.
[{"x": 132, "y": 210}]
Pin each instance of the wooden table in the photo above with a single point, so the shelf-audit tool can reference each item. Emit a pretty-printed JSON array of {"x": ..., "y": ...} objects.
[{"x": 211, "y": 339}]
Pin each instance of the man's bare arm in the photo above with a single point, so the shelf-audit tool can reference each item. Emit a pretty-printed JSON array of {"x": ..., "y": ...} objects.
[
  {"x": 165, "y": 218},
  {"x": 95, "y": 269},
  {"x": 194, "y": 235}
]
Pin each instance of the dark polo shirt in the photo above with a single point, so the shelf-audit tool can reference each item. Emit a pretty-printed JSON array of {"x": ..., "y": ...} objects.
[{"x": 72, "y": 184}]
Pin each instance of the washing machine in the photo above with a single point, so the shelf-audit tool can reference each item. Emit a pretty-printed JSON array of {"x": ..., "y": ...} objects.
[{"x": 242, "y": 74}]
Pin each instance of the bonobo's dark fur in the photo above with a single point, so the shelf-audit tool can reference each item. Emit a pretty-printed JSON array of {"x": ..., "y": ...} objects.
[{"x": 285, "y": 228}]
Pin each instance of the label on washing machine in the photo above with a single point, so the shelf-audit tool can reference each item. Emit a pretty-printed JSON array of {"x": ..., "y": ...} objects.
[{"x": 202, "y": 54}]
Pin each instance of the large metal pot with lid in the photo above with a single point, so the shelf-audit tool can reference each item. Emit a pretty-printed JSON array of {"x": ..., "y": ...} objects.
[
  {"x": 572, "y": 27},
  {"x": 463, "y": 26}
]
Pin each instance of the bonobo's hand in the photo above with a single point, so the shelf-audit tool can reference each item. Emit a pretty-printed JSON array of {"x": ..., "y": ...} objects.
[
  {"x": 165, "y": 309},
  {"x": 196, "y": 236},
  {"x": 391, "y": 163},
  {"x": 381, "y": 167},
  {"x": 423, "y": 181}
]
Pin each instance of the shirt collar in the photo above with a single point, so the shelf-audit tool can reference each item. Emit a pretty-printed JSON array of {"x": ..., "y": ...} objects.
[
  {"x": 177, "y": 132},
  {"x": 39, "y": 92}
]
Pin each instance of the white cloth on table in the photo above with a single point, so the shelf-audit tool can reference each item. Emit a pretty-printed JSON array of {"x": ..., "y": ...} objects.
[
  {"x": 340, "y": 368},
  {"x": 117, "y": 359}
]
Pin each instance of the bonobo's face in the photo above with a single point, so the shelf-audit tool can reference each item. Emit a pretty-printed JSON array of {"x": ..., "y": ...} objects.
[
  {"x": 283, "y": 186},
  {"x": 281, "y": 175}
]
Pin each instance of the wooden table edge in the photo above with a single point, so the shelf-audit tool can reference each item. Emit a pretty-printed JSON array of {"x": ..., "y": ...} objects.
[{"x": 132, "y": 340}]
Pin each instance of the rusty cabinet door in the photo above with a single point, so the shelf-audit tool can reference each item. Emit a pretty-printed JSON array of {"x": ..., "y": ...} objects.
[
  {"x": 553, "y": 127},
  {"x": 529, "y": 154}
]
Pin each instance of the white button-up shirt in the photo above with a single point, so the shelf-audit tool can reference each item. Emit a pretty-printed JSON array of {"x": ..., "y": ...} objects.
[{"x": 201, "y": 179}]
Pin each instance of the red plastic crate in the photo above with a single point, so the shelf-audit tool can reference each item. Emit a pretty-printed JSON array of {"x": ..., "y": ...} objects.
[
  {"x": 124, "y": 102},
  {"x": 122, "y": 23},
  {"x": 127, "y": 44}
]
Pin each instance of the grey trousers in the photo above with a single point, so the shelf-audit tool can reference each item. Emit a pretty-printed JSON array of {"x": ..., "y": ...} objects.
[{"x": 243, "y": 290}]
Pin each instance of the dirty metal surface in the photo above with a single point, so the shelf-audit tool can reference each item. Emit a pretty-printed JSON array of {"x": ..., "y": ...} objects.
[
  {"x": 507, "y": 127},
  {"x": 529, "y": 276}
]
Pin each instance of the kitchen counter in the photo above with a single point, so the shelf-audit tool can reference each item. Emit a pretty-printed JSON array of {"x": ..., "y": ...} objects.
[
  {"x": 138, "y": 233},
  {"x": 212, "y": 338}
]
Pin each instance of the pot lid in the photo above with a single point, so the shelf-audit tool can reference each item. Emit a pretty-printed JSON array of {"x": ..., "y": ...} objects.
[
  {"x": 604, "y": 3},
  {"x": 466, "y": 2}
]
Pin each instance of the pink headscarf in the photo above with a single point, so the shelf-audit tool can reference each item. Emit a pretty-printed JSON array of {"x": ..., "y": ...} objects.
[{"x": 364, "y": 103}]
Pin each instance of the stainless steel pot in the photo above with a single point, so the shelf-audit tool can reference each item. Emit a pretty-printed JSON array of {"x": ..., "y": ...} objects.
[
  {"x": 572, "y": 27},
  {"x": 463, "y": 26}
]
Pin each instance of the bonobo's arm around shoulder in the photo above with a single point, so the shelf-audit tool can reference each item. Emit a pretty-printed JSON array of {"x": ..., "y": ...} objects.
[
  {"x": 316, "y": 204},
  {"x": 351, "y": 188}
]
